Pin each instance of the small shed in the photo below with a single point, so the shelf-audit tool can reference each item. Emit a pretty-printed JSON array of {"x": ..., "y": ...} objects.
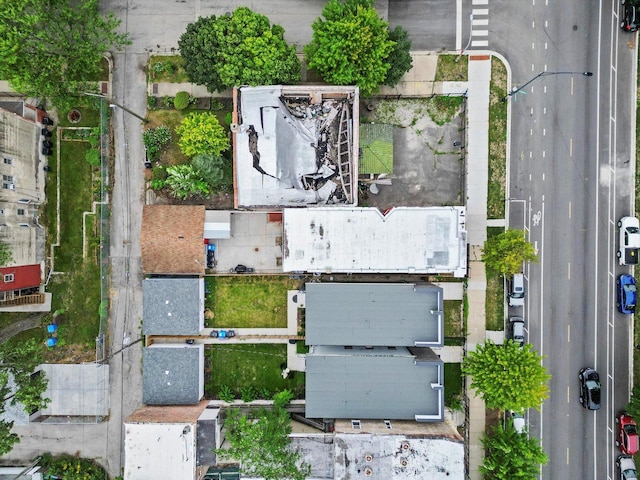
[
  {"x": 217, "y": 224},
  {"x": 376, "y": 148}
]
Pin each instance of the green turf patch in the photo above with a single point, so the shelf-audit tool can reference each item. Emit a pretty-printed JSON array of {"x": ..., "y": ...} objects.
[
  {"x": 497, "y": 140},
  {"x": 452, "y": 68},
  {"x": 494, "y": 302},
  {"x": 258, "y": 366},
  {"x": 452, "y": 385}
]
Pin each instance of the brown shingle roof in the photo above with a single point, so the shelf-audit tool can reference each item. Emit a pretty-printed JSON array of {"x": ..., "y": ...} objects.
[{"x": 172, "y": 240}]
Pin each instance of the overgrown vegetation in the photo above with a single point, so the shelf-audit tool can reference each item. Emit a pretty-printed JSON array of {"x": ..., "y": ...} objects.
[
  {"x": 497, "y": 140},
  {"x": 167, "y": 68},
  {"x": 494, "y": 300},
  {"x": 67, "y": 467}
]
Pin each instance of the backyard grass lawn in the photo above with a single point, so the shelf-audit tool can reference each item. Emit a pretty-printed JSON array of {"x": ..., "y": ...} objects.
[
  {"x": 452, "y": 384},
  {"x": 75, "y": 198},
  {"x": 250, "y": 365},
  {"x": 494, "y": 306},
  {"x": 249, "y": 302},
  {"x": 90, "y": 117},
  {"x": 453, "y": 322}
]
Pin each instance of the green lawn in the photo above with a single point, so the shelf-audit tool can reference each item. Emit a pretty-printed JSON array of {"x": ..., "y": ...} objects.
[
  {"x": 453, "y": 322},
  {"x": 248, "y": 302},
  {"x": 497, "y": 140},
  {"x": 167, "y": 68},
  {"x": 255, "y": 365},
  {"x": 452, "y": 385},
  {"x": 450, "y": 70},
  {"x": 90, "y": 117},
  {"x": 75, "y": 198},
  {"x": 494, "y": 306}
]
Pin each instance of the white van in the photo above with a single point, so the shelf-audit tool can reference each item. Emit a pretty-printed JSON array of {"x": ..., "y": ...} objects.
[{"x": 516, "y": 290}]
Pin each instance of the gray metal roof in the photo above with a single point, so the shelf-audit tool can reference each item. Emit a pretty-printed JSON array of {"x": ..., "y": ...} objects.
[
  {"x": 384, "y": 314},
  {"x": 173, "y": 306},
  {"x": 171, "y": 374},
  {"x": 381, "y": 383}
]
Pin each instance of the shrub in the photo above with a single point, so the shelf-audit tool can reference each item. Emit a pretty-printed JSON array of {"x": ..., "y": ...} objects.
[
  {"x": 159, "y": 67},
  {"x": 210, "y": 168},
  {"x": 93, "y": 157},
  {"x": 168, "y": 101},
  {"x": 154, "y": 140},
  {"x": 181, "y": 101},
  {"x": 152, "y": 101},
  {"x": 202, "y": 133},
  {"x": 248, "y": 394},
  {"x": 225, "y": 394}
]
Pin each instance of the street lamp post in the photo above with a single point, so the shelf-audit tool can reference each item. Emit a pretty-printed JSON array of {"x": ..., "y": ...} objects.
[
  {"x": 542, "y": 74},
  {"x": 114, "y": 104},
  {"x": 470, "y": 33}
]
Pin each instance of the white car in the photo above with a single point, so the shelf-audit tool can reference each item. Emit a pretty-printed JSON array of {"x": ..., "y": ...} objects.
[
  {"x": 629, "y": 240},
  {"x": 626, "y": 467},
  {"x": 519, "y": 423}
]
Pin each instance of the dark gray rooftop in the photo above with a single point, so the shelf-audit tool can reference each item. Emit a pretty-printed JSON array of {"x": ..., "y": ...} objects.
[
  {"x": 384, "y": 314},
  {"x": 171, "y": 374},
  {"x": 173, "y": 306},
  {"x": 378, "y": 382}
]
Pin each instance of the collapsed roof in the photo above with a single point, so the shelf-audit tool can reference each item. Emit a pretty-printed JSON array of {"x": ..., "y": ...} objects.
[{"x": 295, "y": 146}]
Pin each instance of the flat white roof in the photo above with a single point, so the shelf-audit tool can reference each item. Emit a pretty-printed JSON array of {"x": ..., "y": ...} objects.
[
  {"x": 159, "y": 450},
  {"x": 363, "y": 240}
]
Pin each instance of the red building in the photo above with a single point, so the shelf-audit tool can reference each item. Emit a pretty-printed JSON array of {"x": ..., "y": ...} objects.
[{"x": 20, "y": 281}]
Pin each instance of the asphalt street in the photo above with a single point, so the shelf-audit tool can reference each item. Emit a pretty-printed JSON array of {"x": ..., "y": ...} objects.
[{"x": 570, "y": 180}]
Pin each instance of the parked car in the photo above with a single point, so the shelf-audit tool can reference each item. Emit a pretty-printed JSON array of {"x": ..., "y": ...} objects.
[
  {"x": 626, "y": 301},
  {"x": 626, "y": 467},
  {"x": 589, "y": 388},
  {"x": 516, "y": 330},
  {"x": 214, "y": 334},
  {"x": 629, "y": 14},
  {"x": 629, "y": 243},
  {"x": 241, "y": 269},
  {"x": 627, "y": 438},
  {"x": 518, "y": 420},
  {"x": 516, "y": 290}
]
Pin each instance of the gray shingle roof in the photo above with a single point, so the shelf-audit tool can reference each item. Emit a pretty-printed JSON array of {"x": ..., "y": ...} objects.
[
  {"x": 171, "y": 374},
  {"x": 383, "y": 314},
  {"x": 173, "y": 306},
  {"x": 379, "y": 383}
]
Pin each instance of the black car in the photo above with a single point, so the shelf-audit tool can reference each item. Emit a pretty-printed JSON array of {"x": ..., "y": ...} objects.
[
  {"x": 629, "y": 15},
  {"x": 589, "y": 388}
]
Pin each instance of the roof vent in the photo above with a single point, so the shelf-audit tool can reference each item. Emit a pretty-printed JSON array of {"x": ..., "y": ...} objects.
[
  {"x": 368, "y": 457},
  {"x": 404, "y": 462},
  {"x": 405, "y": 446},
  {"x": 368, "y": 472}
]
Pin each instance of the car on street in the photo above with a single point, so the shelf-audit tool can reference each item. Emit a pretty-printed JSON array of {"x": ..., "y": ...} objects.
[
  {"x": 626, "y": 298},
  {"x": 626, "y": 467},
  {"x": 627, "y": 437},
  {"x": 516, "y": 290},
  {"x": 629, "y": 15},
  {"x": 589, "y": 388},
  {"x": 629, "y": 243},
  {"x": 518, "y": 420},
  {"x": 516, "y": 330}
]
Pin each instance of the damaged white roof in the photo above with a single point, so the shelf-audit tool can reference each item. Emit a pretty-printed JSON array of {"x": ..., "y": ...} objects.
[{"x": 352, "y": 240}]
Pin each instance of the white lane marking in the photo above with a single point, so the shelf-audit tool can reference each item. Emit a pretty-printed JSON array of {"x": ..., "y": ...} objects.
[
  {"x": 569, "y": 209},
  {"x": 545, "y": 45},
  {"x": 544, "y": 110},
  {"x": 571, "y": 147},
  {"x": 568, "y": 338},
  {"x": 480, "y": 2},
  {"x": 569, "y": 271},
  {"x": 479, "y": 43},
  {"x": 480, "y": 21},
  {"x": 459, "y": 25},
  {"x": 544, "y": 132},
  {"x": 533, "y": 46},
  {"x": 480, "y": 33},
  {"x": 479, "y": 11}
]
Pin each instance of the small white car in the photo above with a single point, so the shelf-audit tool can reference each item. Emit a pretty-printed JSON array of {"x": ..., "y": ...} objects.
[{"x": 516, "y": 290}]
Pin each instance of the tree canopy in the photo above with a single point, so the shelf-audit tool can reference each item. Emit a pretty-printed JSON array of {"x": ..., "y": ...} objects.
[
  {"x": 352, "y": 45},
  {"x": 238, "y": 49},
  {"x": 508, "y": 377},
  {"x": 260, "y": 440},
  {"x": 49, "y": 48},
  {"x": 511, "y": 455},
  {"x": 505, "y": 253},
  {"x": 201, "y": 133},
  {"x": 18, "y": 385}
]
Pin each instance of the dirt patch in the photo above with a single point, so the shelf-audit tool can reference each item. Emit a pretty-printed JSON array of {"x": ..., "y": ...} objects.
[{"x": 74, "y": 353}]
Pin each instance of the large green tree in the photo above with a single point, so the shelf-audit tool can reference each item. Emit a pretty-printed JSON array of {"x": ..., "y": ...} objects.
[
  {"x": 508, "y": 377},
  {"x": 511, "y": 455},
  {"x": 238, "y": 49},
  {"x": 505, "y": 253},
  {"x": 201, "y": 133},
  {"x": 48, "y": 48},
  {"x": 400, "y": 61},
  {"x": 19, "y": 385},
  {"x": 260, "y": 441},
  {"x": 351, "y": 45}
]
